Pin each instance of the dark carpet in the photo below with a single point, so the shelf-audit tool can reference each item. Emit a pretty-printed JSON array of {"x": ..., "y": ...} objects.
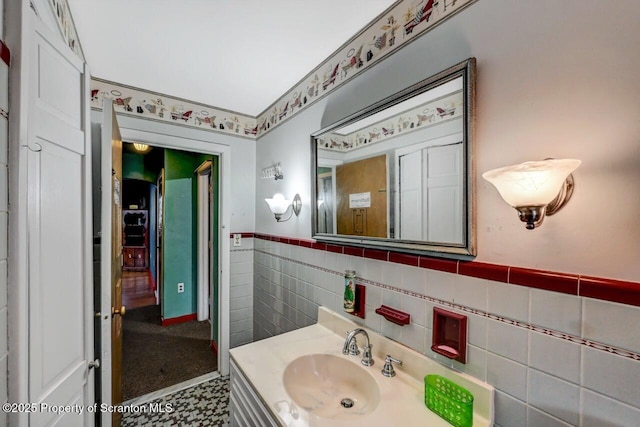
[{"x": 156, "y": 356}]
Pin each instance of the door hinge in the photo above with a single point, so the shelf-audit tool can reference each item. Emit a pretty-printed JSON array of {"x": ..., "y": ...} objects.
[{"x": 94, "y": 364}]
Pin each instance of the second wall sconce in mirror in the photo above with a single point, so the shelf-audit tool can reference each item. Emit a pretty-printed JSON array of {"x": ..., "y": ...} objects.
[
  {"x": 535, "y": 189},
  {"x": 279, "y": 206}
]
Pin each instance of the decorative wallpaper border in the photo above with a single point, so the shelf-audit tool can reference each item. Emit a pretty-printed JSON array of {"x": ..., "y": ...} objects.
[
  {"x": 149, "y": 105},
  {"x": 613, "y": 290},
  {"x": 403, "y": 22},
  {"x": 67, "y": 27},
  {"x": 520, "y": 324},
  {"x": 445, "y": 109}
]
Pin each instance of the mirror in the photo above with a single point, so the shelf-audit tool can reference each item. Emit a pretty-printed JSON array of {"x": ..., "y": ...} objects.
[{"x": 399, "y": 174}]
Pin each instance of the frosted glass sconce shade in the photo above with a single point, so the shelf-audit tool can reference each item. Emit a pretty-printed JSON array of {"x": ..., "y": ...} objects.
[
  {"x": 536, "y": 188},
  {"x": 142, "y": 148},
  {"x": 279, "y": 206}
]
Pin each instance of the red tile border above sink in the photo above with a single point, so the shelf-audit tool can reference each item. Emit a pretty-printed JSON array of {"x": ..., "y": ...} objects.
[
  {"x": 482, "y": 270},
  {"x": 610, "y": 290},
  {"x": 547, "y": 280},
  {"x": 573, "y": 284},
  {"x": 406, "y": 259},
  {"x": 448, "y": 265}
]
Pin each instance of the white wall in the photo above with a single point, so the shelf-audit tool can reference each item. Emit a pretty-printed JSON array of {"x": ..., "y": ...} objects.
[{"x": 555, "y": 79}]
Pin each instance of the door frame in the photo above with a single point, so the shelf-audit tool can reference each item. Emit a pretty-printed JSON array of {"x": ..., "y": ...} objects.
[
  {"x": 204, "y": 282},
  {"x": 224, "y": 214}
]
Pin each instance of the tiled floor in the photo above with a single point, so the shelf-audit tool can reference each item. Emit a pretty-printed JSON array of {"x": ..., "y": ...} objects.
[{"x": 205, "y": 404}]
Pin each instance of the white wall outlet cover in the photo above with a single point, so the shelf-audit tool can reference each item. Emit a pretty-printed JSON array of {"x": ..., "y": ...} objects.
[
  {"x": 237, "y": 239},
  {"x": 180, "y": 287}
]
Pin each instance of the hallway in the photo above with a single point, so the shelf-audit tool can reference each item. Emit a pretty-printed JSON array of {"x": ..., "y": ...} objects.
[
  {"x": 156, "y": 356},
  {"x": 137, "y": 289}
]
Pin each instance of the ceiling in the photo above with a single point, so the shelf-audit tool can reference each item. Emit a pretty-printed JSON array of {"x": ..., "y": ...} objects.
[{"x": 240, "y": 55}]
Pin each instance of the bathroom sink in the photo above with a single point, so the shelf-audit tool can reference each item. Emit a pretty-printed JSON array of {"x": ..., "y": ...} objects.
[{"x": 330, "y": 386}]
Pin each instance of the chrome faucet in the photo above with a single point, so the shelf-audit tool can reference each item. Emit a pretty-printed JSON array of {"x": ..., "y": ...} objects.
[
  {"x": 367, "y": 357},
  {"x": 388, "y": 370}
]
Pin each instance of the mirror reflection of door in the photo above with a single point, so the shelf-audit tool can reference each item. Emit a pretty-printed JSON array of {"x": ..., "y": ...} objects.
[
  {"x": 431, "y": 194},
  {"x": 361, "y": 197},
  {"x": 325, "y": 200}
]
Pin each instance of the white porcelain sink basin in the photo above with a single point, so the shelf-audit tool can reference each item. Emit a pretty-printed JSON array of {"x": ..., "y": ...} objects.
[{"x": 326, "y": 385}]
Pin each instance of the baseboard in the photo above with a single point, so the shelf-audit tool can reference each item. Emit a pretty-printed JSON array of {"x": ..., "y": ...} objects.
[{"x": 179, "y": 319}]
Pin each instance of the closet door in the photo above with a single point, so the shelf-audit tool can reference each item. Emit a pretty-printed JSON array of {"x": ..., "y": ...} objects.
[{"x": 60, "y": 288}]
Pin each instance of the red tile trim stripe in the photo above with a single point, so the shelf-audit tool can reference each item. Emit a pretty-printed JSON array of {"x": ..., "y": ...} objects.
[
  {"x": 482, "y": 270},
  {"x": 547, "y": 280},
  {"x": 5, "y": 53},
  {"x": 572, "y": 284},
  {"x": 610, "y": 290}
]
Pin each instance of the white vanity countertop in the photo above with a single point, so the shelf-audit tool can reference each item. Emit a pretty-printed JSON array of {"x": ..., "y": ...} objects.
[{"x": 402, "y": 397}]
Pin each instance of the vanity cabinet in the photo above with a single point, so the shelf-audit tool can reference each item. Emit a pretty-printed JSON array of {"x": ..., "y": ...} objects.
[{"x": 245, "y": 406}]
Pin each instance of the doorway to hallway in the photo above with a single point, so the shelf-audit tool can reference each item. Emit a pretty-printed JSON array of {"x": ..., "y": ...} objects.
[{"x": 163, "y": 343}]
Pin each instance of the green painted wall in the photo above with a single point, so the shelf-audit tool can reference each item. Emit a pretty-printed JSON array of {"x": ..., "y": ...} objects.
[
  {"x": 180, "y": 251},
  {"x": 135, "y": 167},
  {"x": 179, "y": 255}
]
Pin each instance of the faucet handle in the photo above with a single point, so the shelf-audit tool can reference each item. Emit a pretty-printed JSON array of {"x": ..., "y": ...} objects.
[
  {"x": 367, "y": 355},
  {"x": 353, "y": 346},
  {"x": 388, "y": 370}
]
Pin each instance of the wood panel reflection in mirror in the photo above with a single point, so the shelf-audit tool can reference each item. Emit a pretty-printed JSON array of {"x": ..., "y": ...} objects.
[{"x": 399, "y": 174}]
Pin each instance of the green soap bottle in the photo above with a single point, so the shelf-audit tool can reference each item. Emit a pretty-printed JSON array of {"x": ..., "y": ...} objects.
[{"x": 349, "y": 291}]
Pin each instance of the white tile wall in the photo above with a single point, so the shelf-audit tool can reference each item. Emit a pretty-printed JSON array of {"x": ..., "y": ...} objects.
[
  {"x": 542, "y": 378},
  {"x": 510, "y": 412},
  {"x": 507, "y": 376},
  {"x": 599, "y": 411},
  {"x": 554, "y": 396},
  {"x": 612, "y": 375},
  {"x": 608, "y": 322},
  {"x": 508, "y": 341},
  {"x": 556, "y": 311},
  {"x": 555, "y": 356},
  {"x": 241, "y": 293}
]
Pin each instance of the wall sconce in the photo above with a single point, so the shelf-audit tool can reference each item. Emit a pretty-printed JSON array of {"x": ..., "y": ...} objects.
[
  {"x": 279, "y": 206},
  {"x": 535, "y": 189}
]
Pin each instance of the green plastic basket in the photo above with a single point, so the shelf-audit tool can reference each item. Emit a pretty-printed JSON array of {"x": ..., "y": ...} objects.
[{"x": 448, "y": 400}]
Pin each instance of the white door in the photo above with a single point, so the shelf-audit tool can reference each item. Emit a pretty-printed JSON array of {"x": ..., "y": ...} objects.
[
  {"x": 60, "y": 339},
  {"x": 444, "y": 195},
  {"x": 410, "y": 193}
]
